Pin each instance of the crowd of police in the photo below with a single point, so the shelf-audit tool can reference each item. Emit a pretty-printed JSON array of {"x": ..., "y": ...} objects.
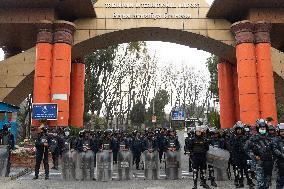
[
  {"x": 60, "y": 141},
  {"x": 254, "y": 151}
]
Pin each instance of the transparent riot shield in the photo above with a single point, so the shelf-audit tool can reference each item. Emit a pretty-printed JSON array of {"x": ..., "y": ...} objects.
[
  {"x": 88, "y": 165},
  {"x": 124, "y": 164},
  {"x": 4, "y": 158},
  {"x": 79, "y": 166},
  {"x": 218, "y": 157},
  {"x": 151, "y": 165},
  {"x": 68, "y": 165},
  {"x": 173, "y": 165},
  {"x": 104, "y": 165}
]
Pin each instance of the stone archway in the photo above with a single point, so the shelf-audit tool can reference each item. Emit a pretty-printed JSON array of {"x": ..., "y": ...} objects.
[{"x": 212, "y": 35}]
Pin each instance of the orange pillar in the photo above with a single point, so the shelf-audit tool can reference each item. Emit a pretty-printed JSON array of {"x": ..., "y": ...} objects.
[
  {"x": 43, "y": 64},
  {"x": 226, "y": 94},
  {"x": 236, "y": 93},
  {"x": 76, "y": 115},
  {"x": 61, "y": 69},
  {"x": 267, "y": 100},
  {"x": 246, "y": 68}
]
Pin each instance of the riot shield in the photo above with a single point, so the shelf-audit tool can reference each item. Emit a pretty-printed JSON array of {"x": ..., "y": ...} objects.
[
  {"x": 104, "y": 165},
  {"x": 218, "y": 157},
  {"x": 79, "y": 166},
  {"x": 151, "y": 165},
  {"x": 4, "y": 158},
  {"x": 124, "y": 164},
  {"x": 68, "y": 165},
  {"x": 88, "y": 165},
  {"x": 173, "y": 165}
]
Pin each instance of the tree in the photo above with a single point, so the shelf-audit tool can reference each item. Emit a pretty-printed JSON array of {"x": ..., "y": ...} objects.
[
  {"x": 211, "y": 64},
  {"x": 157, "y": 106},
  {"x": 99, "y": 68},
  {"x": 214, "y": 119},
  {"x": 23, "y": 120},
  {"x": 280, "y": 112},
  {"x": 137, "y": 114}
]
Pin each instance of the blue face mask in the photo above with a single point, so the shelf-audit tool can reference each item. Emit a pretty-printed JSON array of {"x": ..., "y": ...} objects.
[{"x": 262, "y": 131}]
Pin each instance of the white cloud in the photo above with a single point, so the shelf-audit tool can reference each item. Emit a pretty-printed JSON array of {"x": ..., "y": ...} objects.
[{"x": 1, "y": 54}]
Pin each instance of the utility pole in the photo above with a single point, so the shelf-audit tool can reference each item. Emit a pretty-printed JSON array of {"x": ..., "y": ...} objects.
[{"x": 30, "y": 115}]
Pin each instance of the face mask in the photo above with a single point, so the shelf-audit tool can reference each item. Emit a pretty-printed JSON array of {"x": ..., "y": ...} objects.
[
  {"x": 67, "y": 133},
  {"x": 262, "y": 131}
]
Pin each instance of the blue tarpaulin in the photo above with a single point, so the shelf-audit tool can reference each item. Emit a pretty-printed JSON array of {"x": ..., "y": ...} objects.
[{"x": 9, "y": 115}]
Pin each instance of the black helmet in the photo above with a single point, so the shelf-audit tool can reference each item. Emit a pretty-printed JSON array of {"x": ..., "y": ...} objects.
[
  {"x": 238, "y": 125},
  {"x": 271, "y": 128},
  {"x": 280, "y": 127},
  {"x": 81, "y": 133},
  {"x": 261, "y": 123},
  {"x": 67, "y": 129}
]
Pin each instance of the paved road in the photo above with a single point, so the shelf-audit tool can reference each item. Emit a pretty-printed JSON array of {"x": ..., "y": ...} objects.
[{"x": 138, "y": 182}]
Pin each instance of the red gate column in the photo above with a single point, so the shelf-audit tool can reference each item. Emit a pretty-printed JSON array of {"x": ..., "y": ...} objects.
[
  {"x": 236, "y": 93},
  {"x": 43, "y": 64},
  {"x": 61, "y": 69},
  {"x": 226, "y": 94},
  {"x": 246, "y": 68},
  {"x": 267, "y": 100},
  {"x": 77, "y": 94}
]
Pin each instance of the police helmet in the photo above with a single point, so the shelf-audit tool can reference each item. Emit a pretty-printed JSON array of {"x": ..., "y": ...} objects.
[
  {"x": 271, "y": 128},
  {"x": 261, "y": 123},
  {"x": 280, "y": 127}
]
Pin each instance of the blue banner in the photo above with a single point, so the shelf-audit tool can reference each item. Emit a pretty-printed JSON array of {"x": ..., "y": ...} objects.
[
  {"x": 178, "y": 115},
  {"x": 44, "y": 111}
]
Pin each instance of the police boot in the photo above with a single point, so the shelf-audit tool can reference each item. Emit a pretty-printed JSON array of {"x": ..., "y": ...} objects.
[
  {"x": 236, "y": 181},
  {"x": 250, "y": 183},
  {"x": 195, "y": 175},
  {"x": 203, "y": 180},
  {"x": 240, "y": 184},
  {"x": 204, "y": 185},
  {"x": 35, "y": 177},
  {"x": 213, "y": 183},
  {"x": 211, "y": 176}
]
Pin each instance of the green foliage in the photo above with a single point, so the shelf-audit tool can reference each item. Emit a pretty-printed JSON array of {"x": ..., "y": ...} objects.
[
  {"x": 99, "y": 66},
  {"x": 214, "y": 119},
  {"x": 137, "y": 114},
  {"x": 160, "y": 100},
  {"x": 280, "y": 112},
  {"x": 74, "y": 131},
  {"x": 211, "y": 64}
]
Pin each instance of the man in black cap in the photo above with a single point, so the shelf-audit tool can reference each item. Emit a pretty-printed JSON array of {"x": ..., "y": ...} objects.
[{"x": 42, "y": 144}]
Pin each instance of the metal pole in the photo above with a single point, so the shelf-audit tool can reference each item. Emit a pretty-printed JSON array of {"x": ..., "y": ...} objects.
[{"x": 30, "y": 115}]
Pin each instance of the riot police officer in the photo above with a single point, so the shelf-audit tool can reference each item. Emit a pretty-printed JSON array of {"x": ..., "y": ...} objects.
[
  {"x": 198, "y": 147},
  {"x": 218, "y": 142},
  {"x": 85, "y": 142},
  {"x": 150, "y": 142},
  {"x": 136, "y": 148},
  {"x": 190, "y": 134},
  {"x": 55, "y": 148},
  {"x": 172, "y": 140},
  {"x": 260, "y": 151},
  {"x": 115, "y": 145},
  {"x": 278, "y": 151},
  {"x": 7, "y": 139},
  {"x": 42, "y": 145},
  {"x": 240, "y": 157},
  {"x": 67, "y": 140}
]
